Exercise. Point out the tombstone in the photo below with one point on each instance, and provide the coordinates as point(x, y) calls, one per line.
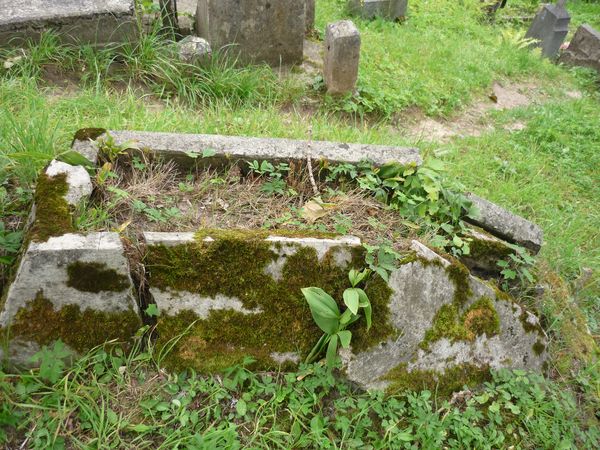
point(549, 28)
point(387, 9)
point(584, 49)
point(75, 21)
point(254, 30)
point(342, 53)
point(309, 12)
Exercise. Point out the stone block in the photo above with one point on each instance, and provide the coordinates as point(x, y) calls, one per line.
point(194, 50)
point(485, 252)
point(342, 55)
point(254, 30)
point(224, 295)
point(73, 287)
point(584, 49)
point(506, 225)
point(75, 21)
point(387, 9)
point(549, 28)
point(78, 180)
point(186, 149)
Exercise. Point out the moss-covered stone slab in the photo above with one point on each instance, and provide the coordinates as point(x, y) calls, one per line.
point(451, 327)
point(73, 287)
point(485, 252)
point(225, 295)
point(186, 150)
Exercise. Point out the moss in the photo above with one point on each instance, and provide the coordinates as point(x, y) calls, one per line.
point(52, 212)
point(216, 233)
point(85, 134)
point(480, 318)
point(459, 275)
point(81, 330)
point(539, 348)
point(488, 250)
point(444, 384)
point(233, 266)
point(528, 326)
point(95, 277)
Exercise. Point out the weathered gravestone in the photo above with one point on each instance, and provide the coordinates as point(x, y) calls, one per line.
point(342, 55)
point(387, 9)
point(254, 30)
point(81, 21)
point(584, 49)
point(549, 28)
point(309, 12)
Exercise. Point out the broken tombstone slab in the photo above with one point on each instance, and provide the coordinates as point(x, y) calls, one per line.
point(75, 21)
point(189, 150)
point(506, 225)
point(78, 180)
point(342, 55)
point(485, 250)
point(254, 31)
point(584, 49)
point(224, 295)
point(387, 9)
point(549, 28)
point(74, 287)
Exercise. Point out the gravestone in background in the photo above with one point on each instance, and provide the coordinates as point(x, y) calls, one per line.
point(387, 9)
point(254, 30)
point(342, 54)
point(584, 49)
point(549, 28)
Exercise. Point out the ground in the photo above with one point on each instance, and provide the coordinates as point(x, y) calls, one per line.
point(510, 126)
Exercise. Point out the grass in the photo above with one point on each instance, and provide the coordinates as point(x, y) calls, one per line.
point(437, 63)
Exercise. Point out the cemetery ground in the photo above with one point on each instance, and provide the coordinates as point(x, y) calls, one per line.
point(508, 125)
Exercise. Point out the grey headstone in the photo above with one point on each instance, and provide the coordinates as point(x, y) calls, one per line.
point(309, 12)
point(254, 30)
point(549, 28)
point(342, 55)
point(186, 150)
point(83, 21)
point(506, 225)
point(387, 9)
point(584, 49)
point(194, 50)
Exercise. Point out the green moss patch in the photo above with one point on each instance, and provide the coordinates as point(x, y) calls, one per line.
point(95, 277)
point(38, 321)
point(234, 266)
point(480, 318)
point(52, 212)
point(444, 384)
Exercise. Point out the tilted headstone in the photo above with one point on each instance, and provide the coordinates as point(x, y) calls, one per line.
point(549, 28)
point(584, 49)
point(387, 9)
point(342, 54)
point(254, 30)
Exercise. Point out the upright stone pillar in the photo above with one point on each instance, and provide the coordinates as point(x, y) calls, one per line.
point(549, 28)
point(342, 54)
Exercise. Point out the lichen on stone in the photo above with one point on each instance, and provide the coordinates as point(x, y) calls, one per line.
point(95, 277)
point(40, 322)
point(233, 265)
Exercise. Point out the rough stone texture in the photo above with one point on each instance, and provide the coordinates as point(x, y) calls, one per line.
point(387, 9)
point(194, 50)
point(420, 290)
point(178, 148)
point(43, 269)
point(255, 30)
point(506, 225)
point(486, 251)
point(85, 21)
point(309, 13)
point(342, 55)
point(549, 28)
point(584, 49)
point(78, 179)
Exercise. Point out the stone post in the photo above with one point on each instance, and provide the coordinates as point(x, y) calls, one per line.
point(549, 28)
point(342, 53)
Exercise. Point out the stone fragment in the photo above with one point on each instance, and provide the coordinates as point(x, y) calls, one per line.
point(233, 294)
point(309, 12)
point(342, 54)
point(549, 28)
point(194, 50)
point(506, 225)
point(584, 49)
point(186, 150)
point(75, 21)
point(387, 9)
point(485, 252)
point(78, 179)
point(74, 287)
point(254, 30)
point(448, 323)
